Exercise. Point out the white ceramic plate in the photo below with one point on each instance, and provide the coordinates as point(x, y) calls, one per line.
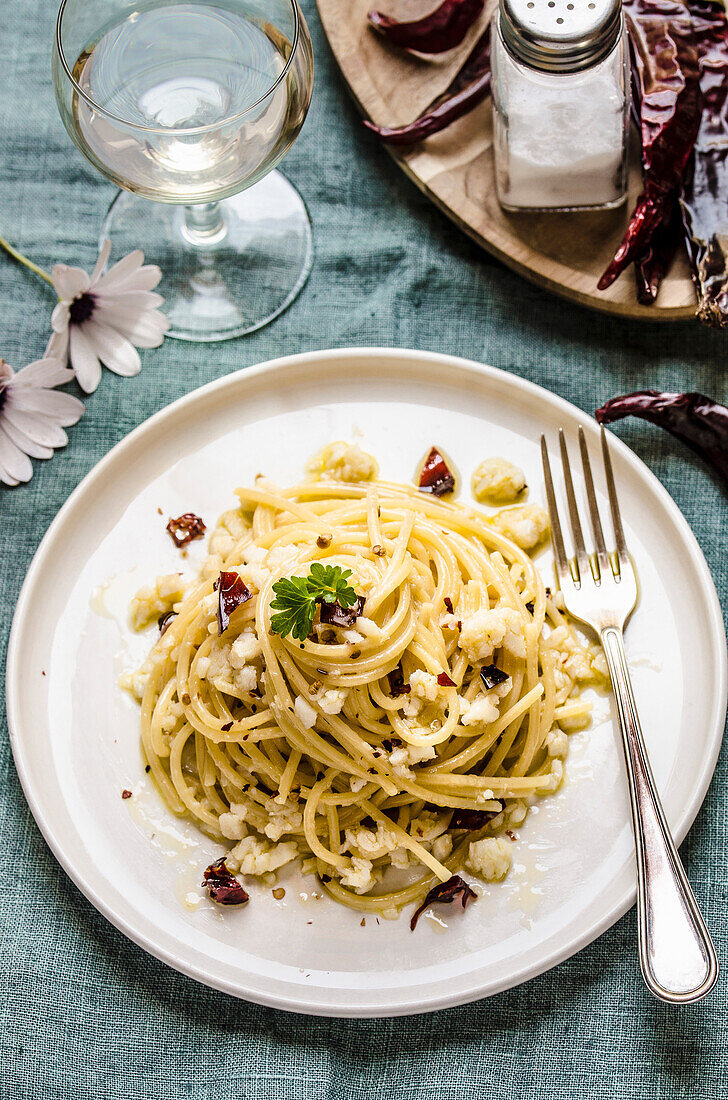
point(75, 734)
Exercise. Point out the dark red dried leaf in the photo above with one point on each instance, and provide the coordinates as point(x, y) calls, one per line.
point(186, 528)
point(436, 477)
point(474, 819)
point(222, 886)
point(444, 681)
point(455, 887)
point(441, 30)
point(397, 685)
point(491, 676)
point(469, 87)
point(231, 594)
point(333, 614)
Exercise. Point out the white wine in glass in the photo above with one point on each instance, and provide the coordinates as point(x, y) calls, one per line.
point(191, 105)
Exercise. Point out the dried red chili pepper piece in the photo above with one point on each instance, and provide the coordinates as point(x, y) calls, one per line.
point(474, 819)
point(665, 69)
point(436, 477)
point(444, 681)
point(492, 676)
point(469, 87)
point(705, 188)
point(441, 30)
point(651, 267)
point(186, 528)
point(333, 614)
point(397, 685)
point(448, 604)
point(222, 886)
point(455, 887)
point(164, 620)
point(231, 594)
point(699, 422)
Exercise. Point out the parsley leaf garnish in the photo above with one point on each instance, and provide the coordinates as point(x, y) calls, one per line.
point(296, 598)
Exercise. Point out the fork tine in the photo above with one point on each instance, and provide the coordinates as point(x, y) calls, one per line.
point(602, 555)
point(614, 503)
point(584, 568)
point(562, 564)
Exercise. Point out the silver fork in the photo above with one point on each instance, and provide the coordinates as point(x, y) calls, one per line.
point(677, 956)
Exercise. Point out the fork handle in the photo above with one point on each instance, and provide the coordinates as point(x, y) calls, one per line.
point(676, 952)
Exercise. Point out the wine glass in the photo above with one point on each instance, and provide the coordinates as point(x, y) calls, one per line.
point(190, 104)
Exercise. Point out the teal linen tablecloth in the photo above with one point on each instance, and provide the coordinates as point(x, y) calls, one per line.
point(85, 1014)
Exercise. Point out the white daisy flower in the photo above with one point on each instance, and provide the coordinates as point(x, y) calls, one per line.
point(33, 415)
point(105, 317)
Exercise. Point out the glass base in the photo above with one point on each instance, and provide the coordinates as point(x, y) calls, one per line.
point(227, 268)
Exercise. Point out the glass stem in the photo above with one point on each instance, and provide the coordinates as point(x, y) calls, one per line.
point(204, 224)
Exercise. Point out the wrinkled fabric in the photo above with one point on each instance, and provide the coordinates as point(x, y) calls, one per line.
point(85, 1014)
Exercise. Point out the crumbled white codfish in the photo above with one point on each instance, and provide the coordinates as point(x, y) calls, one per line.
point(498, 481)
point(156, 599)
point(489, 629)
point(343, 462)
point(491, 857)
point(527, 524)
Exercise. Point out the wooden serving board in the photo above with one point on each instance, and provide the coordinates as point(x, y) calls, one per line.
point(565, 253)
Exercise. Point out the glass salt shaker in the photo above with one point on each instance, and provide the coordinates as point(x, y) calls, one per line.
point(561, 94)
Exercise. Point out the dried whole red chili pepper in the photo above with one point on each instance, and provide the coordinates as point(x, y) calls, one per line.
point(455, 887)
point(666, 68)
point(652, 266)
point(441, 30)
point(705, 187)
point(469, 87)
point(695, 419)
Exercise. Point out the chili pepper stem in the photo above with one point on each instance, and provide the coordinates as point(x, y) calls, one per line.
point(21, 259)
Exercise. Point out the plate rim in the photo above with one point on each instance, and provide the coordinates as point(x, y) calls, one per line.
point(333, 1006)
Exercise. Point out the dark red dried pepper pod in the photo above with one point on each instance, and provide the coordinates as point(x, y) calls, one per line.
point(222, 886)
point(474, 819)
point(436, 476)
point(455, 887)
point(440, 30)
point(469, 87)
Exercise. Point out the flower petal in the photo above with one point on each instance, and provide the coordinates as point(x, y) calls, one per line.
point(69, 281)
point(120, 271)
point(14, 465)
point(145, 328)
point(84, 359)
point(59, 317)
point(133, 300)
point(63, 408)
point(44, 373)
point(57, 346)
point(36, 427)
point(114, 350)
point(26, 444)
point(145, 278)
point(101, 263)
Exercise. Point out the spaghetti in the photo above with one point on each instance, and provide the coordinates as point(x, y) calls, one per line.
point(374, 746)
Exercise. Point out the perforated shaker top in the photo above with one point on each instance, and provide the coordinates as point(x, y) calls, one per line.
point(560, 35)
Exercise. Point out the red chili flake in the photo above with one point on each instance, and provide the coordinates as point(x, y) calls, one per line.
point(397, 685)
point(448, 604)
point(491, 676)
point(333, 614)
point(186, 528)
point(436, 477)
point(474, 819)
point(511, 835)
point(326, 878)
point(164, 621)
point(530, 607)
point(227, 727)
point(455, 887)
point(222, 886)
point(231, 594)
point(126, 794)
point(444, 681)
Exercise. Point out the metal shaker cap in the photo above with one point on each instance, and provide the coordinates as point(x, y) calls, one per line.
point(560, 35)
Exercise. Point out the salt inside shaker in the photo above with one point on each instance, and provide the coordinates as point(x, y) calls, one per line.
point(560, 104)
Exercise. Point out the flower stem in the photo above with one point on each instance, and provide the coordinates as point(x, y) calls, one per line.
point(24, 260)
